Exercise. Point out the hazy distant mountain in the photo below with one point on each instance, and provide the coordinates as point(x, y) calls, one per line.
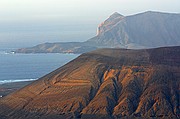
point(149, 29)
point(106, 83)
point(144, 30)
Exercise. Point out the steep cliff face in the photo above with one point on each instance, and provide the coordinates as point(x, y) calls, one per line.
point(149, 29)
point(109, 23)
point(106, 83)
point(144, 30)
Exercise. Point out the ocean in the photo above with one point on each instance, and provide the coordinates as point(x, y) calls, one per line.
point(28, 67)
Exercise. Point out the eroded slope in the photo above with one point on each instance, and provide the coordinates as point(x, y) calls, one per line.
point(106, 83)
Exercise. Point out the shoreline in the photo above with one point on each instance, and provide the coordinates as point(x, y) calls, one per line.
point(8, 88)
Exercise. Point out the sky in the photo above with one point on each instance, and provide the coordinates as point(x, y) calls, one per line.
point(24, 23)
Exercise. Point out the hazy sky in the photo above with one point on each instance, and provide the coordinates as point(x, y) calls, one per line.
point(29, 22)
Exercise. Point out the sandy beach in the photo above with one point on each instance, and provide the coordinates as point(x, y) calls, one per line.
point(8, 88)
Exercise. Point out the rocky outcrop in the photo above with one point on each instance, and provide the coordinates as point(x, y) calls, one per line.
point(144, 30)
point(109, 23)
point(106, 83)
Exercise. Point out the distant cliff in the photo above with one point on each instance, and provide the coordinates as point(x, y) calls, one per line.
point(144, 30)
point(106, 83)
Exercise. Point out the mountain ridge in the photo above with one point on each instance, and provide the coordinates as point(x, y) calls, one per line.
point(143, 30)
point(105, 83)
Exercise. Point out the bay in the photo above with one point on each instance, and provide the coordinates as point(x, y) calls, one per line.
point(27, 67)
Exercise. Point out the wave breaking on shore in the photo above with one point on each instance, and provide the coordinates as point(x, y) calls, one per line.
point(16, 80)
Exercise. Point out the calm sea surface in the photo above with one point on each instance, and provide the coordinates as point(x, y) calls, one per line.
point(26, 67)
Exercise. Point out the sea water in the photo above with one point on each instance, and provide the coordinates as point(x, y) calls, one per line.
point(28, 67)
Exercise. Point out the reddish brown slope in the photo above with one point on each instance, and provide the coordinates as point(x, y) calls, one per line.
point(106, 83)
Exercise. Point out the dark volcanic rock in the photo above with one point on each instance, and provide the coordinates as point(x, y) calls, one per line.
point(106, 83)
